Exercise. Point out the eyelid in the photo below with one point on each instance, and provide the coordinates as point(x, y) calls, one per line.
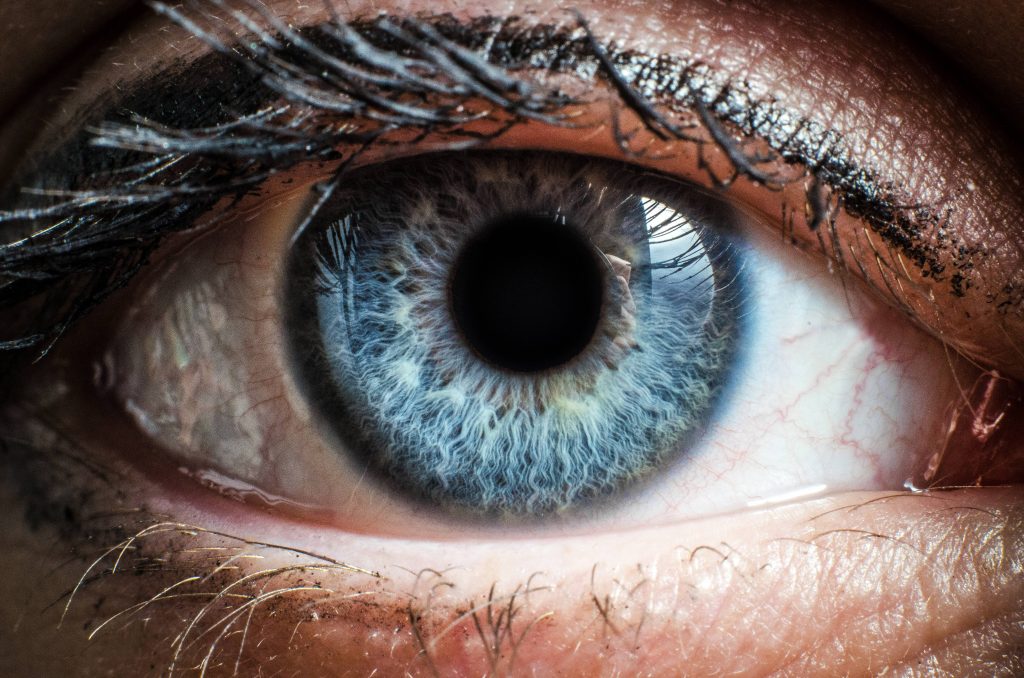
point(942, 279)
point(894, 537)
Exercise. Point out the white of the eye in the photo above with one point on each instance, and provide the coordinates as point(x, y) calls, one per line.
point(832, 391)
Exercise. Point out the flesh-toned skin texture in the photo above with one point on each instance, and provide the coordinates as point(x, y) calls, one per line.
point(124, 568)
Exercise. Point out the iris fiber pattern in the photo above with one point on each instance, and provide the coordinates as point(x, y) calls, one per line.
point(408, 396)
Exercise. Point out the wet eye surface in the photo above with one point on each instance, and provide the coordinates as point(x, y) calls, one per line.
point(499, 335)
point(477, 344)
point(514, 335)
point(702, 367)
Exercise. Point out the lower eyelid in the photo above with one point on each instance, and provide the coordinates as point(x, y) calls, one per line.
point(702, 596)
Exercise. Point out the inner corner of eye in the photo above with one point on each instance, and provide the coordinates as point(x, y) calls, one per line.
point(509, 336)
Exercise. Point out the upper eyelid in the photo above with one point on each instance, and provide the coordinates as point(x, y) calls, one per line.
point(798, 138)
point(770, 119)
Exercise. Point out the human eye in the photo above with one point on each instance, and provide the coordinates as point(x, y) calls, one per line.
point(273, 265)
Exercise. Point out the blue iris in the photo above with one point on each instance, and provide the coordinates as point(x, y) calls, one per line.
point(443, 420)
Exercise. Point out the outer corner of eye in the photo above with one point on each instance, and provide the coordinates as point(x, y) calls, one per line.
point(494, 340)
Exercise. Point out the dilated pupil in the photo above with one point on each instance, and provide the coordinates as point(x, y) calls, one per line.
point(527, 293)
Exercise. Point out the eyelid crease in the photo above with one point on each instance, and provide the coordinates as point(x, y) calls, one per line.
point(190, 161)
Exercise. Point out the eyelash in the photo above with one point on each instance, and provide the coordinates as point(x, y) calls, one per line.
point(165, 178)
point(87, 243)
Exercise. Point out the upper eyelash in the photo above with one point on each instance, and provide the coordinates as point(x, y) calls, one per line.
point(193, 168)
point(93, 240)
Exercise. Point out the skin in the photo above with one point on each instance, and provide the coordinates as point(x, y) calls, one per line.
point(851, 584)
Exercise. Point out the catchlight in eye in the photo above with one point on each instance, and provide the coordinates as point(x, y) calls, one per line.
point(513, 334)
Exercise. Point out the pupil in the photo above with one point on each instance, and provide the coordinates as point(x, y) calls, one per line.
point(527, 293)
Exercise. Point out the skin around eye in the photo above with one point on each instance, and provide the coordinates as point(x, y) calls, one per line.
point(841, 585)
point(822, 376)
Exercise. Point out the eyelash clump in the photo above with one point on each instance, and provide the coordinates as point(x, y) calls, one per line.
point(162, 157)
point(104, 203)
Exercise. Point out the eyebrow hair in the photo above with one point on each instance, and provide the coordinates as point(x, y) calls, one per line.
point(176, 144)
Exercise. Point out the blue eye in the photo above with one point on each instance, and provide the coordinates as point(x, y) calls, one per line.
point(514, 334)
point(497, 335)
